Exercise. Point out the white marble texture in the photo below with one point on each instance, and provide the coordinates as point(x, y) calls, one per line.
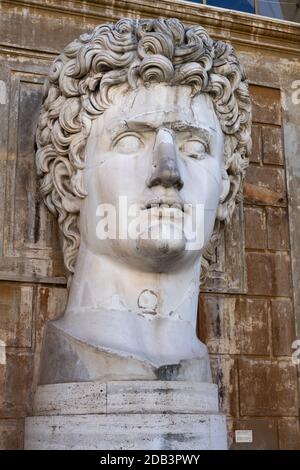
point(158, 119)
point(127, 432)
point(137, 296)
point(126, 415)
point(142, 159)
point(125, 397)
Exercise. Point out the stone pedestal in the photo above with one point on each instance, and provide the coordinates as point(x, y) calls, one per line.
point(144, 415)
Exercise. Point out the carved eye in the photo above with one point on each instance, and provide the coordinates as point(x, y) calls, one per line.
point(195, 148)
point(128, 143)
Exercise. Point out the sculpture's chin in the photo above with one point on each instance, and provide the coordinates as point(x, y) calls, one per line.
point(161, 241)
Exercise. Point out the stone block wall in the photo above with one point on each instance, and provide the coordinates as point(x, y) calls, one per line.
point(22, 324)
point(250, 336)
point(248, 319)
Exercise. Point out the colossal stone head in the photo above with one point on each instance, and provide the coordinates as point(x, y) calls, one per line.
point(154, 111)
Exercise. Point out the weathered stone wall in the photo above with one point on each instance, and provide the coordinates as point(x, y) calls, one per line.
point(250, 308)
point(250, 336)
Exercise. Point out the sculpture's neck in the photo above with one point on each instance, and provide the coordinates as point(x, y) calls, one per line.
point(151, 316)
point(105, 283)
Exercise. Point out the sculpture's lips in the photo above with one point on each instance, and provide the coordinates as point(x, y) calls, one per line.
point(164, 204)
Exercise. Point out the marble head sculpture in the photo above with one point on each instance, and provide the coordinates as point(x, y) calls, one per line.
point(159, 114)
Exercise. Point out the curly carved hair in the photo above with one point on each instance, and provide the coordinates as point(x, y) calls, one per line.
point(134, 52)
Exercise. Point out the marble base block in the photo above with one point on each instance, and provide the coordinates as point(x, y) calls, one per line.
point(144, 415)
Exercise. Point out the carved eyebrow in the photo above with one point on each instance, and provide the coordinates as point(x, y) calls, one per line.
point(204, 133)
point(117, 128)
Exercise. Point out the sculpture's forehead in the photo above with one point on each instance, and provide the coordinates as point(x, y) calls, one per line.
point(159, 105)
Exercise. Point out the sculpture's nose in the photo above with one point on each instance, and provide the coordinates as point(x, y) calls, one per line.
point(165, 170)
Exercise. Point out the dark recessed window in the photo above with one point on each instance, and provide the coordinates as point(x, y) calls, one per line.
point(282, 9)
point(240, 5)
point(285, 9)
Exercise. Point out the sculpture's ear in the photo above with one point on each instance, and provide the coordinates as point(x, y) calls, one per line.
point(62, 179)
point(225, 186)
point(230, 188)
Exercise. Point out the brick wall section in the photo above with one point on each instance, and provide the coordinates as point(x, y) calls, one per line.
point(23, 312)
point(249, 336)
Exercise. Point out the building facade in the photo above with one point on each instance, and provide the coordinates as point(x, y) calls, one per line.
point(250, 305)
